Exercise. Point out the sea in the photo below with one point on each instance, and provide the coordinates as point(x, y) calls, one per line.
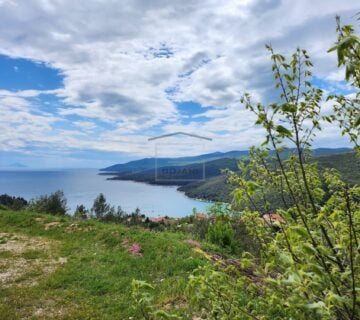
point(82, 186)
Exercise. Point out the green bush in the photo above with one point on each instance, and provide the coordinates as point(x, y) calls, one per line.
point(13, 203)
point(200, 228)
point(222, 234)
point(55, 204)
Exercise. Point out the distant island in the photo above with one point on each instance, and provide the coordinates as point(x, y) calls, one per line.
point(14, 165)
point(201, 176)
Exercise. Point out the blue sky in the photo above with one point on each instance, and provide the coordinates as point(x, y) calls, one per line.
point(81, 94)
point(23, 74)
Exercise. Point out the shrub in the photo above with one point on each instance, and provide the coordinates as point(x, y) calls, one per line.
point(13, 203)
point(308, 261)
point(54, 204)
point(222, 234)
point(200, 228)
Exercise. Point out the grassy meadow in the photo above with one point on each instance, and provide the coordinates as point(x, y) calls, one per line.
point(61, 268)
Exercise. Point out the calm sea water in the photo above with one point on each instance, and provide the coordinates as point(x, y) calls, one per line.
point(82, 187)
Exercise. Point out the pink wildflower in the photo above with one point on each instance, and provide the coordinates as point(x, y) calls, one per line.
point(135, 249)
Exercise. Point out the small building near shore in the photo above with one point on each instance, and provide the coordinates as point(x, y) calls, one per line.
point(201, 216)
point(273, 217)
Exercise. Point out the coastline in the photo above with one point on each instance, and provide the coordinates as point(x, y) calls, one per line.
point(154, 183)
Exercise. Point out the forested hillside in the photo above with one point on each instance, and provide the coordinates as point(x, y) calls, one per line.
point(137, 166)
point(149, 163)
point(214, 186)
point(180, 175)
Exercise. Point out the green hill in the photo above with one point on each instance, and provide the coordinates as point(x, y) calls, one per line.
point(347, 164)
point(216, 188)
point(180, 175)
point(145, 164)
point(149, 163)
point(213, 189)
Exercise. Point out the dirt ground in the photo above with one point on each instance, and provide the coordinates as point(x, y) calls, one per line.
point(25, 260)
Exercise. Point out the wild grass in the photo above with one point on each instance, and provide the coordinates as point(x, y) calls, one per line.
point(85, 271)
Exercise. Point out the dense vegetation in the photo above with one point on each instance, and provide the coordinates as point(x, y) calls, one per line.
point(217, 189)
point(213, 189)
point(347, 164)
point(15, 203)
point(137, 166)
point(211, 184)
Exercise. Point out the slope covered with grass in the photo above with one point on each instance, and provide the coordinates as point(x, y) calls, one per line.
point(52, 267)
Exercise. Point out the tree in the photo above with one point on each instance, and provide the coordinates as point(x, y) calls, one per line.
point(100, 206)
point(347, 108)
point(136, 217)
point(81, 212)
point(308, 263)
point(348, 52)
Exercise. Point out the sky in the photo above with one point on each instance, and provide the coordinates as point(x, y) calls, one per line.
point(85, 84)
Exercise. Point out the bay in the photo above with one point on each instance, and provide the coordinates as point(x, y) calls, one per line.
point(82, 187)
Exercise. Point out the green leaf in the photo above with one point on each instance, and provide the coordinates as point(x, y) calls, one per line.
point(308, 248)
point(283, 131)
point(357, 121)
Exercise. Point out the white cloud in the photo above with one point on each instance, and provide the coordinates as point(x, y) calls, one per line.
point(85, 125)
point(127, 63)
point(18, 124)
